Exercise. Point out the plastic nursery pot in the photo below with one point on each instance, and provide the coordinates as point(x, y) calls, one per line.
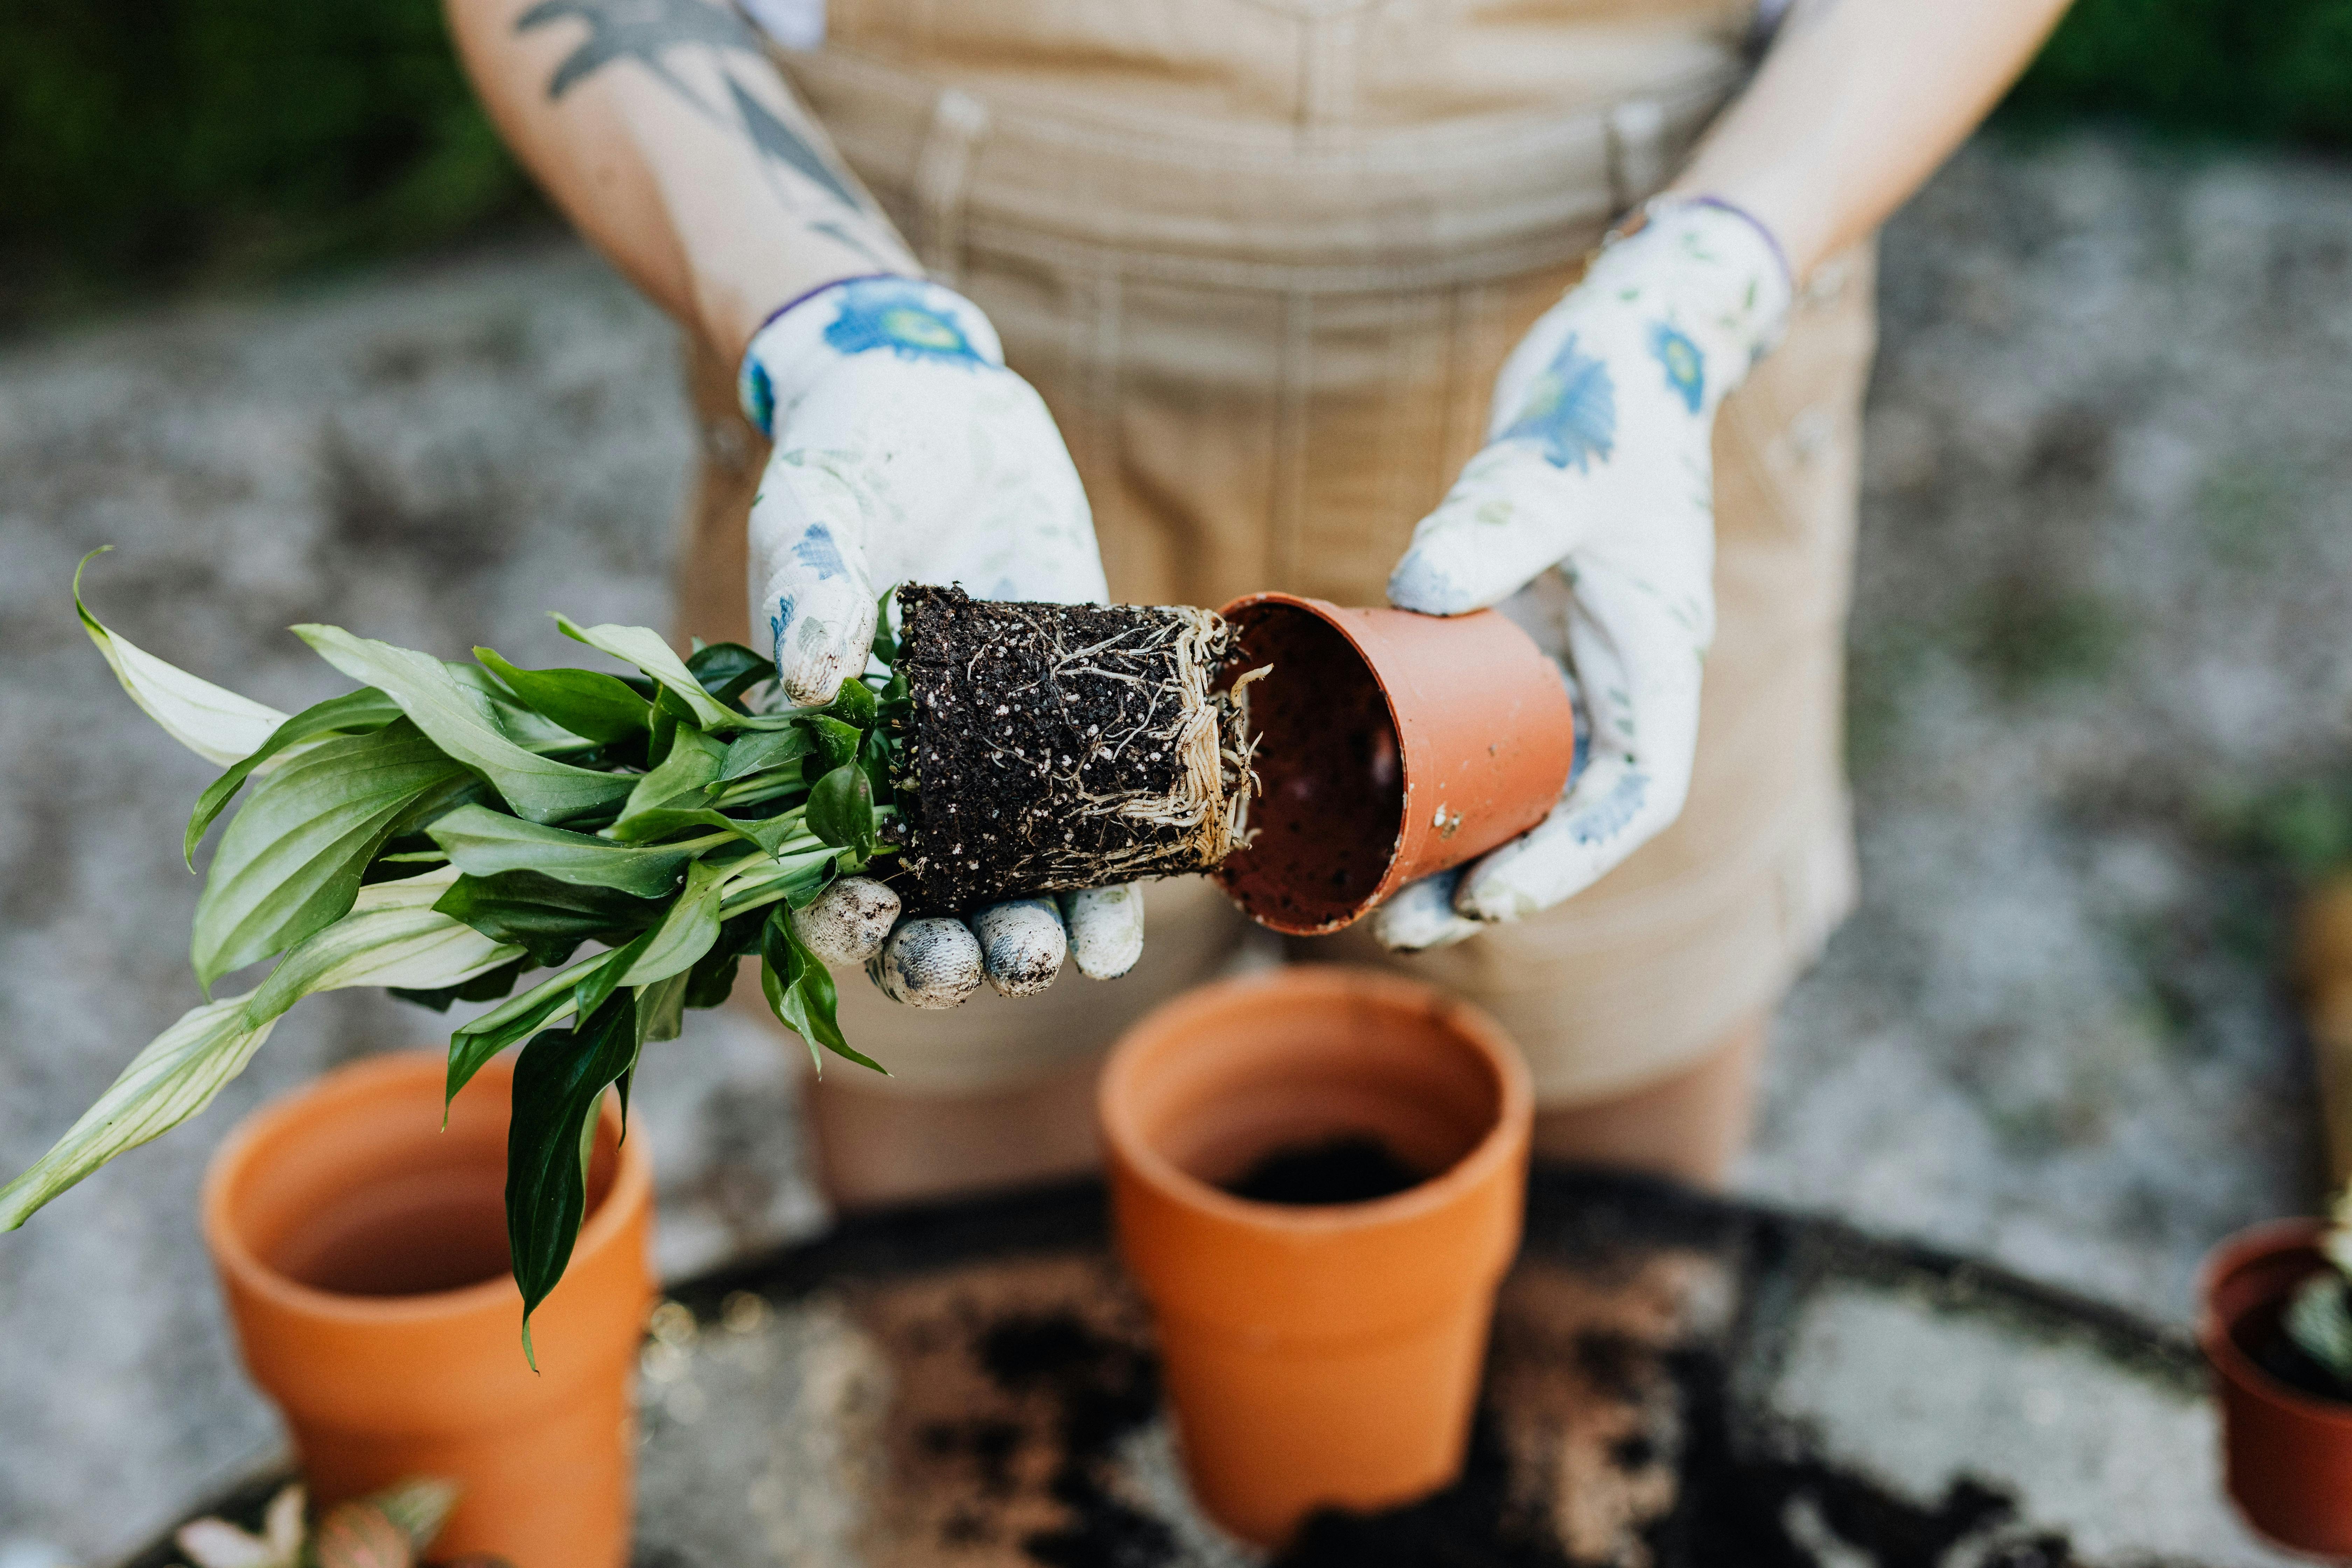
point(1390, 745)
point(363, 1254)
point(1324, 1355)
point(2287, 1454)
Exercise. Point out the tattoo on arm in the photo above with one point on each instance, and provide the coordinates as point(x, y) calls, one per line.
point(776, 140)
point(643, 31)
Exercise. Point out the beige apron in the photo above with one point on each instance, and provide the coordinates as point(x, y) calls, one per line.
point(1263, 259)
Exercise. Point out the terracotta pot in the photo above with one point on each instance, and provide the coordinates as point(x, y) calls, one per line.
point(1392, 745)
point(1331, 1354)
point(363, 1251)
point(2288, 1455)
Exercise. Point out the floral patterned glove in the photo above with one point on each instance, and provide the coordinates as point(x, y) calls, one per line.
point(1598, 470)
point(905, 451)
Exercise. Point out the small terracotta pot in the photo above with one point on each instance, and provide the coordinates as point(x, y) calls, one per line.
point(2288, 1455)
point(1331, 1354)
point(363, 1251)
point(1392, 745)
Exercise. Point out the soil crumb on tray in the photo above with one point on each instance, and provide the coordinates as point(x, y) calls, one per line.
point(1353, 1168)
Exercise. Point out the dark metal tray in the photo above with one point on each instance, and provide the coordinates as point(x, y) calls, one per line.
point(1676, 1381)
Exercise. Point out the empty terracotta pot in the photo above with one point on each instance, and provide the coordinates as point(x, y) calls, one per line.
point(1323, 1355)
point(1391, 745)
point(2287, 1454)
point(363, 1254)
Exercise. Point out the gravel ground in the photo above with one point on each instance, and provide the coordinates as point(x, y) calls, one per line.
point(2099, 710)
point(2100, 700)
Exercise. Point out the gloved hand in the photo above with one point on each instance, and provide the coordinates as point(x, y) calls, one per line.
point(906, 451)
point(1597, 466)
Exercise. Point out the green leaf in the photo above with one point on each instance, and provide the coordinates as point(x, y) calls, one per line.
point(712, 979)
point(527, 727)
point(599, 982)
point(644, 646)
point(291, 862)
point(762, 751)
point(728, 670)
point(354, 713)
point(547, 919)
point(585, 701)
point(471, 1044)
point(485, 843)
point(770, 833)
point(538, 788)
point(854, 704)
point(800, 991)
point(392, 937)
point(684, 777)
point(837, 743)
point(841, 809)
point(217, 725)
point(489, 987)
point(558, 1080)
point(874, 756)
point(797, 875)
point(689, 931)
point(885, 641)
point(661, 1013)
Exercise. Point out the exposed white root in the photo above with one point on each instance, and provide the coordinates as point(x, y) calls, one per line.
point(1021, 945)
point(849, 922)
point(1106, 927)
point(932, 963)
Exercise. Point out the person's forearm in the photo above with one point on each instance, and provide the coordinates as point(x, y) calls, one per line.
point(1857, 103)
point(672, 142)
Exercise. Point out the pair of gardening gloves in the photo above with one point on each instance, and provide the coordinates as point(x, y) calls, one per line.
point(904, 450)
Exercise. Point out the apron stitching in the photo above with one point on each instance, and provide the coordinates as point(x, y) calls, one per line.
point(1292, 372)
point(942, 178)
point(1103, 370)
point(1459, 302)
point(1637, 133)
point(1404, 420)
point(1540, 254)
point(1188, 143)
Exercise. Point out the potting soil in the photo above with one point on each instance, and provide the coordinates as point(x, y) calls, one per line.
point(1056, 747)
point(1352, 1168)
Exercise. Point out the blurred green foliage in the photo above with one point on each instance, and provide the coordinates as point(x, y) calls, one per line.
point(2240, 69)
point(164, 141)
point(158, 143)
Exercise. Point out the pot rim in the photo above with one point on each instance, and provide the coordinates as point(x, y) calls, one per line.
point(632, 1186)
point(1393, 874)
point(2233, 1252)
point(1501, 1143)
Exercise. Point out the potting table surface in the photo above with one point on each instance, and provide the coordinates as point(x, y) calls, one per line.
point(1675, 1381)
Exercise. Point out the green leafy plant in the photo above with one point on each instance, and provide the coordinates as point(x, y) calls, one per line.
point(390, 1529)
point(447, 830)
point(2319, 1313)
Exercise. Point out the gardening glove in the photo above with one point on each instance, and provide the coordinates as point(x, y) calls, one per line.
point(1590, 517)
point(905, 451)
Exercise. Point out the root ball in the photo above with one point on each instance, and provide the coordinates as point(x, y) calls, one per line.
point(1058, 747)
